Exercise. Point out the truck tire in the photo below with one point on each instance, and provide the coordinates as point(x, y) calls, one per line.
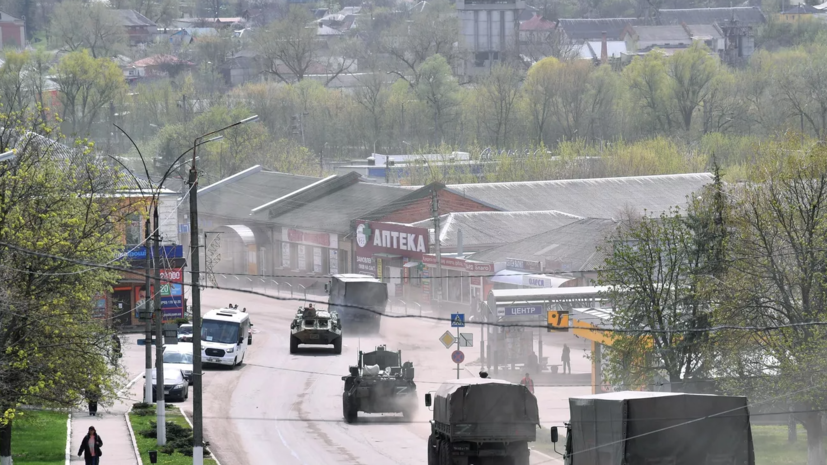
point(294, 344)
point(337, 346)
point(348, 409)
point(519, 453)
point(433, 452)
point(445, 453)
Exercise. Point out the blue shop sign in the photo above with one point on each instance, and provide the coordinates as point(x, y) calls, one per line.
point(139, 253)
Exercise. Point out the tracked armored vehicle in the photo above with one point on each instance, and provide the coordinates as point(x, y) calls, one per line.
point(379, 383)
point(316, 327)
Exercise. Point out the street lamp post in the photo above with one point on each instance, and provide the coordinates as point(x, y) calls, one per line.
point(197, 401)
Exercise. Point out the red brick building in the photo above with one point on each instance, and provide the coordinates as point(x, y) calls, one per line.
point(12, 31)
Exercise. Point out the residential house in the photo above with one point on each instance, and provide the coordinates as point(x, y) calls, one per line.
point(801, 12)
point(641, 39)
point(241, 68)
point(238, 22)
point(12, 31)
point(139, 29)
point(156, 66)
point(536, 30)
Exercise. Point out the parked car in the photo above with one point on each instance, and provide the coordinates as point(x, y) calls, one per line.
point(179, 357)
point(185, 333)
point(176, 386)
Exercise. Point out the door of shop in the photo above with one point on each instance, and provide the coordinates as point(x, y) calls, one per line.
point(121, 308)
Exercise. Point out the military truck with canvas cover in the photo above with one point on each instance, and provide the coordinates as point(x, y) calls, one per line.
point(316, 327)
point(481, 421)
point(379, 383)
point(655, 427)
point(360, 300)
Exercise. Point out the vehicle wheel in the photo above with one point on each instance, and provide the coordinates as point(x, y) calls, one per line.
point(294, 344)
point(249, 340)
point(444, 453)
point(348, 411)
point(433, 452)
point(235, 362)
point(337, 346)
point(186, 394)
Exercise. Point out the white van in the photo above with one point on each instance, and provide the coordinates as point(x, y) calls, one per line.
point(224, 336)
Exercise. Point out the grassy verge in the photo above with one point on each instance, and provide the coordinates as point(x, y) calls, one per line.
point(142, 423)
point(771, 447)
point(39, 438)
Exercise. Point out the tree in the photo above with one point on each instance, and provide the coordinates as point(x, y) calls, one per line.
point(777, 279)
point(539, 89)
point(430, 31)
point(500, 90)
point(439, 90)
point(86, 85)
point(691, 72)
point(662, 277)
point(162, 12)
point(77, 25)
point(57, 202)
point(290, 47)
point(649, 88)
point(373, 95)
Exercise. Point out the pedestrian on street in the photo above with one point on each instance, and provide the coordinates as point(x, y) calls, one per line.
point(528, 383)
point(92, 397)
point(90, 447)
point(566, 358)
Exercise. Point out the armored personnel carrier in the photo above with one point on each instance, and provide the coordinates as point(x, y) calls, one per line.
point(379, 383)
point(316, 327)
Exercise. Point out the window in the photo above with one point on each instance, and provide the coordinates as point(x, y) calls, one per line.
point(133, 230)
point(224, 332)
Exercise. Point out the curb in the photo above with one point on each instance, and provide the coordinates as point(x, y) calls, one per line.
point(69, 439)
point(214, 458)
point(132, 437)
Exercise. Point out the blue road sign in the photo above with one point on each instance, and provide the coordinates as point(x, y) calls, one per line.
point(457, 356)
point(457, 320)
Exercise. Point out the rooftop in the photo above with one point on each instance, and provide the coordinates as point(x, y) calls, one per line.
point(592, 29)
point(235, 196)
point(131, 18)
point(490, 229)
point(659, 33)
point(569, 248)
point(591, 198)
point(746, 15)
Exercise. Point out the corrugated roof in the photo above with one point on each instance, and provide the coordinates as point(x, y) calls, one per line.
point(661, 33)
point(802, 9)
point(131, 18)
point(592, 29)
point(491, 229)
point(236, 196)
point(594, 198)
point(569, 248)
point(334, 211)
point(746, 15)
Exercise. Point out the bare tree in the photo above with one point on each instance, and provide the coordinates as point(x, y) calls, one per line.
point(94, 26)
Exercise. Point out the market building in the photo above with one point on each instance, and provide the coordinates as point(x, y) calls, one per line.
point(393, 253)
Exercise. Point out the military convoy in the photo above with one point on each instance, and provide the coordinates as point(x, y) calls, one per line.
point(481, 421)
point(360, 301)
point(379, 383)
point(316, 327)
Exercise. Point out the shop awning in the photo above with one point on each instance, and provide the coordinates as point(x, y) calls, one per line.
point(411, 264)
point(521, 278)
point(509, 277)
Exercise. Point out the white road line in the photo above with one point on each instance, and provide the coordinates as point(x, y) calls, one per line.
point(535, 451)
point(292, 452)
point(129, 385)
point(69, 439)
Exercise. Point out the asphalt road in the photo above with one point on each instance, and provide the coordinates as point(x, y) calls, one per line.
point(287, 409)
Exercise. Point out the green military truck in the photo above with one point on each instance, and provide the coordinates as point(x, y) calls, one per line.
point(481, 421)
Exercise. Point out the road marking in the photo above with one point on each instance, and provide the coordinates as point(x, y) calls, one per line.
point(129, 385)
point(292, 452)
point(554, 459)
point(69, 439)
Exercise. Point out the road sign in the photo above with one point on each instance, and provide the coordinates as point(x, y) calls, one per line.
point(523, 310)
point(447, 339)
point(466, 339)
point(457, 356)
point(457, 320)
point(558, 321)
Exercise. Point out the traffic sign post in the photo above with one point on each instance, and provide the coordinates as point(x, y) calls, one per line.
point(457, 320)
point(466, 339)
point(457, 356)
point(447, 339)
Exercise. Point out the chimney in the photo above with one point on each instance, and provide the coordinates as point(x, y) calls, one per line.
point(459, 243)
point(604, 49)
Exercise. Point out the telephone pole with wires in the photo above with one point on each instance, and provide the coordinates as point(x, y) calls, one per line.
point(146, 316)
point(435, 214)
point(160, 404)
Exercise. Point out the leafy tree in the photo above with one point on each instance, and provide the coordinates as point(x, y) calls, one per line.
point(59, 202)
point(692, 72)
point(540, 89)
point(87, 85)
point(439, 90)
point(77, 25)
point(500, 91)
point(648, 83)
point(162, 12)
point(778, 279)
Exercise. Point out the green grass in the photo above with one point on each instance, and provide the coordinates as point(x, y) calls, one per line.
point(771, 446)
point(141, 423)
point(39, 438)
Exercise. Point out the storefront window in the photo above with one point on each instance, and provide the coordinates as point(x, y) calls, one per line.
point(133, 230)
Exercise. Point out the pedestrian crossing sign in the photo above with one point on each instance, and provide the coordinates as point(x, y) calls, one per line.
point(558, 321)
point(457, 320)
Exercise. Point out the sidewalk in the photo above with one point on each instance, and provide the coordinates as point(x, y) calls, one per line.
point(110, 422)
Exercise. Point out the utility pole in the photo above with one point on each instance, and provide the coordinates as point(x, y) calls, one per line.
point(197, 419)
point(435, 213)
point(147, 314)
point(159, 337)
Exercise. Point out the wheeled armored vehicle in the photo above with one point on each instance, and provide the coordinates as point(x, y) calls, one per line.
point(360, 300)
point(379, 383)
point(316, 327)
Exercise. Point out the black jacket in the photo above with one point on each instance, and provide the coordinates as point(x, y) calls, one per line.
point(84, 445)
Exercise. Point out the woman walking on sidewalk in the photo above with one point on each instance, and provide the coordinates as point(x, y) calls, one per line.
point(90, 447)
